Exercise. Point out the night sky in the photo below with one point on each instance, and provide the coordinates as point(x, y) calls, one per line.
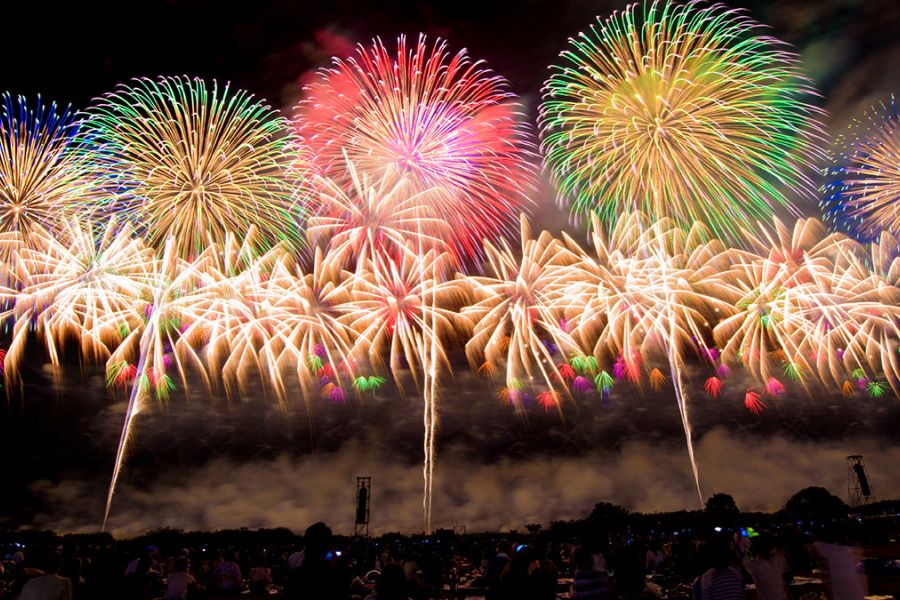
point(208, 462)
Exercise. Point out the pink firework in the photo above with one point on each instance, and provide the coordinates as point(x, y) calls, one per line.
point(582, 384)
point(336, 395)
point(710, 354)
point(447, 125)
point(774, 387)
point(754, 402)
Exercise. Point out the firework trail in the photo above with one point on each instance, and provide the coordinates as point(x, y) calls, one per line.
point(405, 310)
point(864, 180)
point(683, 111)
point(178, 312)
point(190, 162)
point(437, 154)
point(647, 296)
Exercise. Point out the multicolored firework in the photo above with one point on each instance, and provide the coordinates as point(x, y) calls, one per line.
point(161, 237)
point(445, 123)
point(862, 194)
point(801, 299)
point(44, 174)
point(683, 111)
point(184, 160)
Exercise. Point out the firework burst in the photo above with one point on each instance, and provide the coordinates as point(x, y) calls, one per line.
point(80, 288)
point(647, 297)
point(192, 162)
point(44, 173)
point(515, 309)
point(373, 222)
point(862, 194)
point(683, 111)
point(444, 122)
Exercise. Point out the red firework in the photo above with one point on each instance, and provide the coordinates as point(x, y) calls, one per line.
point(754, 402)
point(445, 123)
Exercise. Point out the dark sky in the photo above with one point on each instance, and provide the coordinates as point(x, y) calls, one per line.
point(219, 463)
point(74, 51)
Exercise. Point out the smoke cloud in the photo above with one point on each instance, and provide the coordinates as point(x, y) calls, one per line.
point(506, 494)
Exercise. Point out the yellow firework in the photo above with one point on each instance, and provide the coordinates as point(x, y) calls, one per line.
point(680, 110)
point(44, 173)
point(190, 162)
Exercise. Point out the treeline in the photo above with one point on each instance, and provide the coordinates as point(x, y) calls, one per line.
point(807, 510)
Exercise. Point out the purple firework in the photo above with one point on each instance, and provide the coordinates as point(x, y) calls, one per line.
point(582, 384)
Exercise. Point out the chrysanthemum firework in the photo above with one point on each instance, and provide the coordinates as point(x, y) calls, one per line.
point(648, 298)
point(80, 288)
point(514, 312)
point(43, 172)
point(863, 191)
point(441, 120)
point(679, 110)
point(192, 161)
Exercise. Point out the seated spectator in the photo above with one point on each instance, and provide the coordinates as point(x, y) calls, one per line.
point(655, 557)
point(260, 575)
point(724, 580)
point(180, 581)
point(767, 567)
point(227, 577)
point(50, 586)
point(391, 584)
point(588, 583)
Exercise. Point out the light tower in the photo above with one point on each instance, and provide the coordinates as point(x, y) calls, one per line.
point(859, 491)
point(363, 500)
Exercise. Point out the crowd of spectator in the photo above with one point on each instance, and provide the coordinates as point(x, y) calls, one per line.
point(717, 565)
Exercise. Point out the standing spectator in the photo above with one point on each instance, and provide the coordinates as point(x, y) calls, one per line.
point(318, 577)
point(494, 569)
point(841, 561)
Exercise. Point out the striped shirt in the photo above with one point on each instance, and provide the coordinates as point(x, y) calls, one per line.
point(722, 584)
